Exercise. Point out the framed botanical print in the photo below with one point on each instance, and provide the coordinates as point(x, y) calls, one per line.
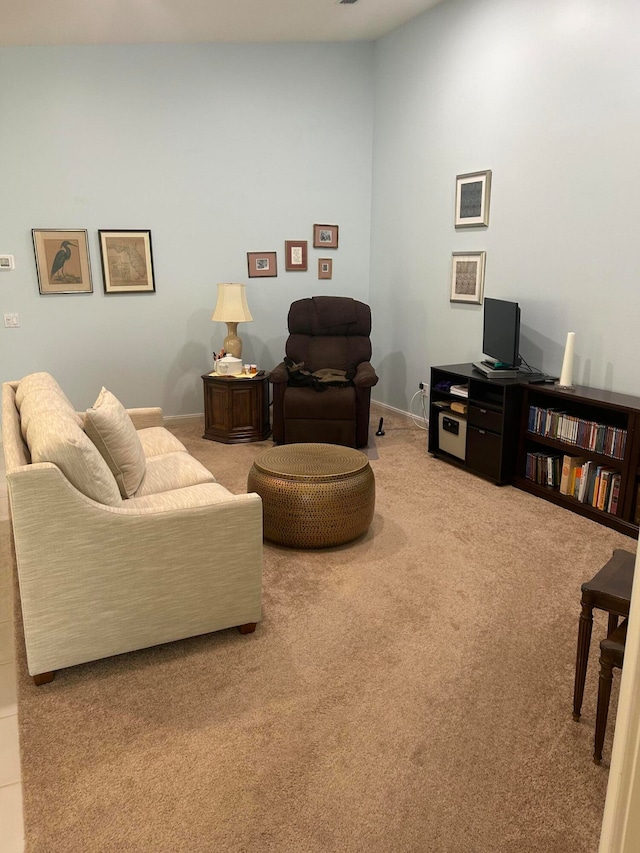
point(127, 262)
point(467, 277)
point(62, 260)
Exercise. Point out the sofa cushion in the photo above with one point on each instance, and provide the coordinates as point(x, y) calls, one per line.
point(112, 431)
point(172, 471)
point(57, 438)
point(40, 392)
point(157, 440)
point(204, 494)
point(39, 404)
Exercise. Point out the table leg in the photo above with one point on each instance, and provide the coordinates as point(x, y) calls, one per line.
point(604, 696)
point(585, 626)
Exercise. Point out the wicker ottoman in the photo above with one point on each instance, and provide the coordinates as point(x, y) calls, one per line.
point(313, 495)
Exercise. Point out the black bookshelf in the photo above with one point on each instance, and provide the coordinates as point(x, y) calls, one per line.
point(615, 414)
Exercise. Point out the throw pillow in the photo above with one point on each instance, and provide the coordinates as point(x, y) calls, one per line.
point(112, 431)
point(57, 438)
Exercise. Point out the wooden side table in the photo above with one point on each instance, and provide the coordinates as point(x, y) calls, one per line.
point(236, 410)
point(608, 590)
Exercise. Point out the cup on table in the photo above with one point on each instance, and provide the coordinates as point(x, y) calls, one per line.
point(254, 369)
point(247, 368)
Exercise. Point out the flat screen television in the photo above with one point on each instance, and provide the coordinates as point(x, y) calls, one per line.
point(501, 332)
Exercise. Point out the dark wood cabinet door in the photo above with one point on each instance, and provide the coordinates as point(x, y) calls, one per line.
point(236, 410)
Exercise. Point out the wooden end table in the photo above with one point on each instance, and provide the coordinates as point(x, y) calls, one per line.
point(608, 590)
point(236, 410)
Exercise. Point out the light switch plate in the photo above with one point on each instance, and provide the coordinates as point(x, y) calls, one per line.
point(7, 262)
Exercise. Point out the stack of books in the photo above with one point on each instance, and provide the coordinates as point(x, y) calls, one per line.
point(460, 390)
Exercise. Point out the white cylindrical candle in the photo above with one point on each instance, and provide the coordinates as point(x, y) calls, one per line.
point(566, 375)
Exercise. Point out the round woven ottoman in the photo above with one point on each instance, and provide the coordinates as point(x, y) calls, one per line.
point(313, 495)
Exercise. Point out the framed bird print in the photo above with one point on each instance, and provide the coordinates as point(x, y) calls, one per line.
point(127, 263)
point(62, 260)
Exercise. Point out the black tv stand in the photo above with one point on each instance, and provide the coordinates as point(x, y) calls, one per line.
point(492, 419)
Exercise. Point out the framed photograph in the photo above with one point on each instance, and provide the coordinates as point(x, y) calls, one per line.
point(295, 255)
point(325, 267)
point(127, 263)
point(325, 236)
point(262, 264)
point(62, 260)
point(472, 199)
point(467, 277)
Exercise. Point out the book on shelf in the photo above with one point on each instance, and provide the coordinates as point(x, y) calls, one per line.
point(584, 478)
point(569, 465)
point(612, 505)
point(577, 478)
point(460, 390)
point(604, 488)
point(461, 408)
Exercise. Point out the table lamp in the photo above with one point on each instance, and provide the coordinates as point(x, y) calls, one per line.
point(231, 308)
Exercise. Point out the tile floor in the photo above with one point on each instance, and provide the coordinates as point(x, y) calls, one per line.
point(11, 826)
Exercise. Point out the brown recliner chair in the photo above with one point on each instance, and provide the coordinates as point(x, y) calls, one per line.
point(325, 332)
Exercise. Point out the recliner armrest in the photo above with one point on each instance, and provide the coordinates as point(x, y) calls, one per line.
point(279, 374)
point(366, 376)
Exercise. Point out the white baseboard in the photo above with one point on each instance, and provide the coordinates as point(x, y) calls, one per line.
point(184, 420)
point(399, 411)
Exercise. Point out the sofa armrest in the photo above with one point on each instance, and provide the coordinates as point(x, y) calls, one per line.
point(279, 374)
point(365, 376)
point(149, 417)
point(97, 581)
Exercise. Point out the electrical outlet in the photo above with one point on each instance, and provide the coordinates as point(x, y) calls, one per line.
point(424, 387)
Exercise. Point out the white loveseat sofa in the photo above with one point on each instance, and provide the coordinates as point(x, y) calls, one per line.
point(121, 542)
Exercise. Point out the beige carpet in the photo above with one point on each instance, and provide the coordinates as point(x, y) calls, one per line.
point(408, 692)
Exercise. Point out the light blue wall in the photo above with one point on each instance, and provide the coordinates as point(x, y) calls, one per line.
point(546, 94)
point(219, 150)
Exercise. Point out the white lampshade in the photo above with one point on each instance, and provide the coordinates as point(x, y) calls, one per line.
point(231, 308)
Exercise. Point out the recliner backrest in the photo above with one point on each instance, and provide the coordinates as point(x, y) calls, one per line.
point(329, 331)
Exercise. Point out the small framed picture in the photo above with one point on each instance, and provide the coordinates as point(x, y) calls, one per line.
point(127, 262)
point(325, 236)
point(62, 261)
point(325, 267)
point(473, 192)
point(467, 277)
point(262, 264)
point(295, 255)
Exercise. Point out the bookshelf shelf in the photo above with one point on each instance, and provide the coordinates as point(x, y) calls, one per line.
point(571, 449)
point(553, 495)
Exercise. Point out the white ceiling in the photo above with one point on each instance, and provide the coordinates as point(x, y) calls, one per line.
point(39, 22)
